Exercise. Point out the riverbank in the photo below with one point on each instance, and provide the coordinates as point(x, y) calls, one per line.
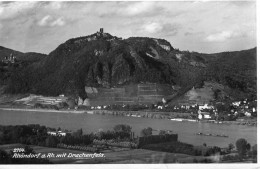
point(136, 114)
point(43, 110)
point(93, 123)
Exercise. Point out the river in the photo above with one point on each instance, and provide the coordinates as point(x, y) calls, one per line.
point(91, 123)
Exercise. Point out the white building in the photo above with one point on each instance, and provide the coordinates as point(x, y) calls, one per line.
point(53, 133)
point(200, 116)
point(207, 116)
point(163, 100)
point(206, 106)
point(203, 115)
point(160, 107)
point(247, 114)
point(236, 103)
point(60, 133)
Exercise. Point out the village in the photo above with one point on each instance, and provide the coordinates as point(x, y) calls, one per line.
point(237, 112)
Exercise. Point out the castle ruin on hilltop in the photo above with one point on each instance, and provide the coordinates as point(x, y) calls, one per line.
point(9, 59)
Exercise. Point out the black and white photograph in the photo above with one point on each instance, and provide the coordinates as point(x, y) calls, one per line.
point(128, 82)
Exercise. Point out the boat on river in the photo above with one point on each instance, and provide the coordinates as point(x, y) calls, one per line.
point(209, 134)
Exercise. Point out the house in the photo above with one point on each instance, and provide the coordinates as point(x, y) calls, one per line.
point(203, 115)
point(163, 100)
point(59, 133)
point(236, 103)
point(160, 107)
point(254, 110)
point(247, 114)
point(205, 106)
point(53, 133)
point(80, 101)
point(187, 107)
point(200, 116)
point(207, 116)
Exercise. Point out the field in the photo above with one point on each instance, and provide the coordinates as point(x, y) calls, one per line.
point(129, 94)
point(201, 95)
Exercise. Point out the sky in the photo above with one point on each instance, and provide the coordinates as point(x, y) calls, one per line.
point(201, 26)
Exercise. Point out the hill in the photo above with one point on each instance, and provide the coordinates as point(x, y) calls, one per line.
point(101, 60)
point(29, 56)
point(12, 61)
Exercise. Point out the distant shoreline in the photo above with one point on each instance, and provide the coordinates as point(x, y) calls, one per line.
point(123, 113)
point(45, 110)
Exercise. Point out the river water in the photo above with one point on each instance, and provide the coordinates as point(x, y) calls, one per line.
point(91, 123)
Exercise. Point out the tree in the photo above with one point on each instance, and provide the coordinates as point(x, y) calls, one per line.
point(242, 147)
point(146, 132)
point(51, 141)
point(254, 151)
point(28, 150)
point(78, 133)
point(5, 157)
point(231, 147)
point(122, 128)
point(162, 132)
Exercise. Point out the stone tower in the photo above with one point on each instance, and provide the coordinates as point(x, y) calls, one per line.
point(101, 30)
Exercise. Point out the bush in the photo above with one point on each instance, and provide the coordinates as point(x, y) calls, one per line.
point(146, 132)
point(156, 139)
point(172, 147)
point(242, 147)
point(122, 128)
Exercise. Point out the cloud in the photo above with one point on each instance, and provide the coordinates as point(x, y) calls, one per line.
point(152, 27)
point(140, 8)
point(44, 20)
point(193, 33)
point(13, 9)
point(56, 5)
point(41, 21)
point(129, 9)
point(1, 10)
point(158, 29)
point(170, 29)
point(58, 22)
point(223, 36)
point(51, 21)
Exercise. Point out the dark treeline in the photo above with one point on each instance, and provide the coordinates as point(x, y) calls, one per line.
point(37, 135)
point(179, 147)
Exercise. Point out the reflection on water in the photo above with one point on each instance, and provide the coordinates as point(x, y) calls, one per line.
point(91, 123)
